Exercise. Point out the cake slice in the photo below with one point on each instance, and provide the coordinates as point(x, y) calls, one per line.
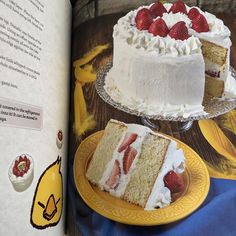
point(131, 162)
point(104, 151)
point(216, 68)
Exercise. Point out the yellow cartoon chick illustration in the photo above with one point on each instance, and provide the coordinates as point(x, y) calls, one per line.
point(47, 203)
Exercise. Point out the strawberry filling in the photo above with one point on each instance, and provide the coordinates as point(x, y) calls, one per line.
point(129, 139)
point(113, 180)
point(214, 74)
point(128, 158)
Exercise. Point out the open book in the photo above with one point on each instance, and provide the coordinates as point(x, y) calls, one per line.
point(34, 107)
point(49, 104)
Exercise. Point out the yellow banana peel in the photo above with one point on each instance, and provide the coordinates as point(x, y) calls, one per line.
point(84, 76)
point(217, 139)
point(83, 121)
point(228, 121)
point(214, 173)
point(84, 73)
point(87, 57)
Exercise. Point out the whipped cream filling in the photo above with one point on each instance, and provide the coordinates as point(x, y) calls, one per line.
point(174, 160)
point(141, 131)
point(215, 70)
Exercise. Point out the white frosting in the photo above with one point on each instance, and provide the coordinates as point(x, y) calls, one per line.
point(171, 19)
point(21, 183)
point(174, 160)
point(156, 85)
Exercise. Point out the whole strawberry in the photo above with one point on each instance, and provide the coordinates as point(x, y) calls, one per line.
point(159, 27)
point(179, 31)
point(174, 182)
point(143, 19)
point(157, 9)
point(178, 6)
point(193, 13)
point(200, 24)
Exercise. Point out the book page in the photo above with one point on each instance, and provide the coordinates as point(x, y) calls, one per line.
point(34, 88)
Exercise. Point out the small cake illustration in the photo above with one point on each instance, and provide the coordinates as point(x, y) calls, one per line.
point(21, 172)
point(59, 139)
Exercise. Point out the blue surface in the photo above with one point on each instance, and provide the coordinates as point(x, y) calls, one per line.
point(216, 216)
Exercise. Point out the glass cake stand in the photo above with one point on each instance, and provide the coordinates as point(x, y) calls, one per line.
point(213, 107)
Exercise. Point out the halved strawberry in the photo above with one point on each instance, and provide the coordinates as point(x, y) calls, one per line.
point(159, 27)
point(129, 138)
point(193, 13)
point(157, 9)
point(200, 24)
point(128, 158)
point(178, 6)
point(174, 182)
point(179, 31)
point(114, 178)
point(143, 19)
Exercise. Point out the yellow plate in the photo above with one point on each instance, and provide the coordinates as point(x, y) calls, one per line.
point(197, 186)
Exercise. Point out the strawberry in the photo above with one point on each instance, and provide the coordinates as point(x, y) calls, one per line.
point(179, 31)
point(128, 158)
point(129, 138)
point(143, 19)
point(193, 13)
point(157, 9)
point(200, 24)
point(159, 27)
point(178, 6)
point(114, 178)
point(174, 182)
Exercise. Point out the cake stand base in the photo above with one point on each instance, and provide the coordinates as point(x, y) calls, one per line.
point(173, 126)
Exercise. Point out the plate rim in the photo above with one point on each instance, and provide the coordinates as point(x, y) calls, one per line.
point(93, 200)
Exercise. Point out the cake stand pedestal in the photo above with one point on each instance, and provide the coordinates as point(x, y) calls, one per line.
point(176, 126)
point(212, 107)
